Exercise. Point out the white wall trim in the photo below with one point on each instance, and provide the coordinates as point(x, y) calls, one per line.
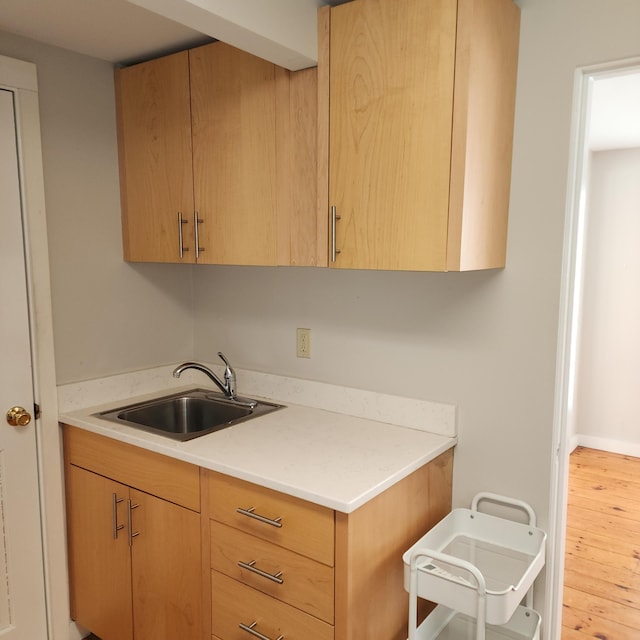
point(21, 78)
point(565, 357)
point(622, 447)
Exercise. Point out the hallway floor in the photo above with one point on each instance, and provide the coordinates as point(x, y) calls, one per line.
point(602, 561)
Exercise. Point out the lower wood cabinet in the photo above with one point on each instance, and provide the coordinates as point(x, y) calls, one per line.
point(284, 567)
point(135, 559)
point(162, 550)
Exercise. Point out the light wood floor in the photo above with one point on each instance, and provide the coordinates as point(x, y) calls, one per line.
point(602, 561)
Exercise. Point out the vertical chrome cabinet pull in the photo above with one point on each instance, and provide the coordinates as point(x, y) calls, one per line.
point(251, 628)
point(181, 221)
point(197, 221)
point(115, 501)
point(251, 566)
point(250, 513)
point(132, 533)
point(334, 217)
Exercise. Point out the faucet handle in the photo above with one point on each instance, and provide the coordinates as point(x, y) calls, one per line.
point(229, 375)
point(224, 359)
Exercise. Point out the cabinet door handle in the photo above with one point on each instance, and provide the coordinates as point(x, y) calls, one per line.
point(334, 218)
point(132, 533)
point(197, 221)
point(115, 501)
point(181, 221)
point(250, 513)
point(251, 566)
point(251, 628)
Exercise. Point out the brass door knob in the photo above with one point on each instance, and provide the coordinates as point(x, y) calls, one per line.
point(18, 417)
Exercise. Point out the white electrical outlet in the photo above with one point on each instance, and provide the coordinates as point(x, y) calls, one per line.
point(303, 343)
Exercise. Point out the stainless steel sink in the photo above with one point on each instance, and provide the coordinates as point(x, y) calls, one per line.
point(187, 415)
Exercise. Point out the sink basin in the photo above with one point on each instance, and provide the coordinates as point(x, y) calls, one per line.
point(187, 415)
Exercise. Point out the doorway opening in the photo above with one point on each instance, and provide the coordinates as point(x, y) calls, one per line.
point(593, 348)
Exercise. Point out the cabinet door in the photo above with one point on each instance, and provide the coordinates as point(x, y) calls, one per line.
point(166, 559)
point(154, 142)
point(99, 559)
point(391, 105)
point(233, 102)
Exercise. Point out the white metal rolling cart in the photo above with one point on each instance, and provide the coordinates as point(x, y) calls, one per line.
point(478, 568)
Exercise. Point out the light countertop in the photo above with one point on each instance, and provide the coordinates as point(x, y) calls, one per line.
point(336, 460)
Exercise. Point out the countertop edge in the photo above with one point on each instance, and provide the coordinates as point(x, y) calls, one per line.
point(158, 444)
point(359, 457)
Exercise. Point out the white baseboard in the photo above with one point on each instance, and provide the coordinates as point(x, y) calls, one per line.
point(574, 442)
point(605, 444)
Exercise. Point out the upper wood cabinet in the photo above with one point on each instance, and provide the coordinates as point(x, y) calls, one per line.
point(154, 141)
point(218, 160)
point(417, 104)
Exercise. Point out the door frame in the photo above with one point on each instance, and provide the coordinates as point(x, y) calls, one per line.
point(569, 315)
point(20, 78)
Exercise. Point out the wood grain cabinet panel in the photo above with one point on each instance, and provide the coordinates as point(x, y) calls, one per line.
point(154, 142)
point(166, 566)
point(233, 102)
point(421, 98)
point(370, 598)
point(161, 476)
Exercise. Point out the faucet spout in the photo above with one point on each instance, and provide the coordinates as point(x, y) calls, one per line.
point(228, 387)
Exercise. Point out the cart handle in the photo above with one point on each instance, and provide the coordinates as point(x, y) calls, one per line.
point(505, 500)
point(481, 588)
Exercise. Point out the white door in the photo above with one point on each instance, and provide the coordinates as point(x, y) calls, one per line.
point(22, 601)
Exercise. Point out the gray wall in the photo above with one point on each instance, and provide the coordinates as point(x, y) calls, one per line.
point(108, 316)
point(607, 402)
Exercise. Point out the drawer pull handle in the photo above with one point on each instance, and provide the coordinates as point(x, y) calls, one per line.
point(251, 628)
point(250, 566)
point(250, 513)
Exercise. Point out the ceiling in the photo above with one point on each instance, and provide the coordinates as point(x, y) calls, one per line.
point(125, 31)
point(112, 30)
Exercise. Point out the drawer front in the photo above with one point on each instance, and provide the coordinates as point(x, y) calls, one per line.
point(297, 525)
point(235, 604)
point(295, 579)
point(162, 476)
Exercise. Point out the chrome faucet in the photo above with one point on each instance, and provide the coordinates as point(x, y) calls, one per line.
point(228, 387)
